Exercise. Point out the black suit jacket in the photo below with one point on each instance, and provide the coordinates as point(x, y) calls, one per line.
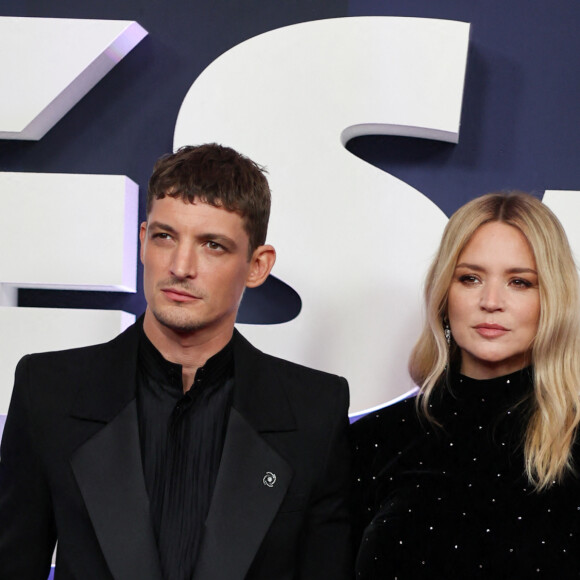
point(71, 469)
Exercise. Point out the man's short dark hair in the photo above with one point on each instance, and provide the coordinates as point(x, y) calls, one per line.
point(219, 176)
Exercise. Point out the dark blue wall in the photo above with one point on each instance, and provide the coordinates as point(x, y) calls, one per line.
point(521, 120)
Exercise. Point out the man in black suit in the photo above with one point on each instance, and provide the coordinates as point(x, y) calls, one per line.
point(178, 451)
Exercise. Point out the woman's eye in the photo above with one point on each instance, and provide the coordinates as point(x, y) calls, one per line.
point(468, 279)
point(521, 283)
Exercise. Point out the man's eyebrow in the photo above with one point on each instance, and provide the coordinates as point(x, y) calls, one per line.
point(220, 238)
point(160, 226)
point(208, 236)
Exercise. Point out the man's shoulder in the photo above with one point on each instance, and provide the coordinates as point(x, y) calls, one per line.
point(80, 356)
point(295, 369)
point(305, 388)
point(286, 368)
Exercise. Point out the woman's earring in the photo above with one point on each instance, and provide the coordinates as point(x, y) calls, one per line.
point(447, 332)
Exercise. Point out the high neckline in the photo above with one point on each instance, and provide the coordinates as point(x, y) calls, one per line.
point(518, 377)
point(510, 388)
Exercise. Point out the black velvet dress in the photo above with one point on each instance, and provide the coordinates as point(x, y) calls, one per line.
point(455, 502)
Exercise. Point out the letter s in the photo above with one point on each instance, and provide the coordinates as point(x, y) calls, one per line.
point(352, 240)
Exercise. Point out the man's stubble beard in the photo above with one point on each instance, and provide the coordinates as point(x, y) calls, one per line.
point(178, 321)
point(177, 318)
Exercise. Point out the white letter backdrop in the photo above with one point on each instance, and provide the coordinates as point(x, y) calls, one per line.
point(353, 241)
point(59, 231)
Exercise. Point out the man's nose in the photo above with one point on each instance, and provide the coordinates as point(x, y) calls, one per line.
point(184, 261)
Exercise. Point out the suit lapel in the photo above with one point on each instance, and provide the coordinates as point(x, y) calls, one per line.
point(108, 467)
point(245, 501)
point(253, 478)
point(109, 471)
point(110, 476)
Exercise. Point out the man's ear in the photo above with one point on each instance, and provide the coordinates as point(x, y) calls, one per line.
point(142, 236)
point(261, 263)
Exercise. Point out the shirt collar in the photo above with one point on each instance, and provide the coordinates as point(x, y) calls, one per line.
point(218, 367)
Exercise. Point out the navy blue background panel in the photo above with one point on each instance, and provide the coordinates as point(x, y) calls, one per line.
point(520, 115)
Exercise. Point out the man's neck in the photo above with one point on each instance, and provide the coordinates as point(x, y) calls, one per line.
point(190, 350)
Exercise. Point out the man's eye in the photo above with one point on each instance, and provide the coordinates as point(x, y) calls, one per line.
point(214, 246)
point(162, 236)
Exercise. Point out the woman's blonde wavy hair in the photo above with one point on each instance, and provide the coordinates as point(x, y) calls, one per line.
point(555, 408)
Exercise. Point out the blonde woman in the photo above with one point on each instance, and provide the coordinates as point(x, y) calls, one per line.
point(474, 477)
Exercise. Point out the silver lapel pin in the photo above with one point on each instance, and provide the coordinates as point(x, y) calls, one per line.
point(269, 479)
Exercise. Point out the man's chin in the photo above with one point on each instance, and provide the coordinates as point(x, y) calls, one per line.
point(178, 323)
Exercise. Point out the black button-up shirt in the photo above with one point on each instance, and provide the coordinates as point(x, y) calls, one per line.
point(182, 437)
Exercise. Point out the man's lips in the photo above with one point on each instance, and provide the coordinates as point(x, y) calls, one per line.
point(491, 330)
point(178, 295)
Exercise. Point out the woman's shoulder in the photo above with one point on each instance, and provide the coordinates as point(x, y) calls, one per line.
point(401, 411)
point(387, 425)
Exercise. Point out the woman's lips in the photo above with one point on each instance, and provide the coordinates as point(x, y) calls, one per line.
point(491, 330)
